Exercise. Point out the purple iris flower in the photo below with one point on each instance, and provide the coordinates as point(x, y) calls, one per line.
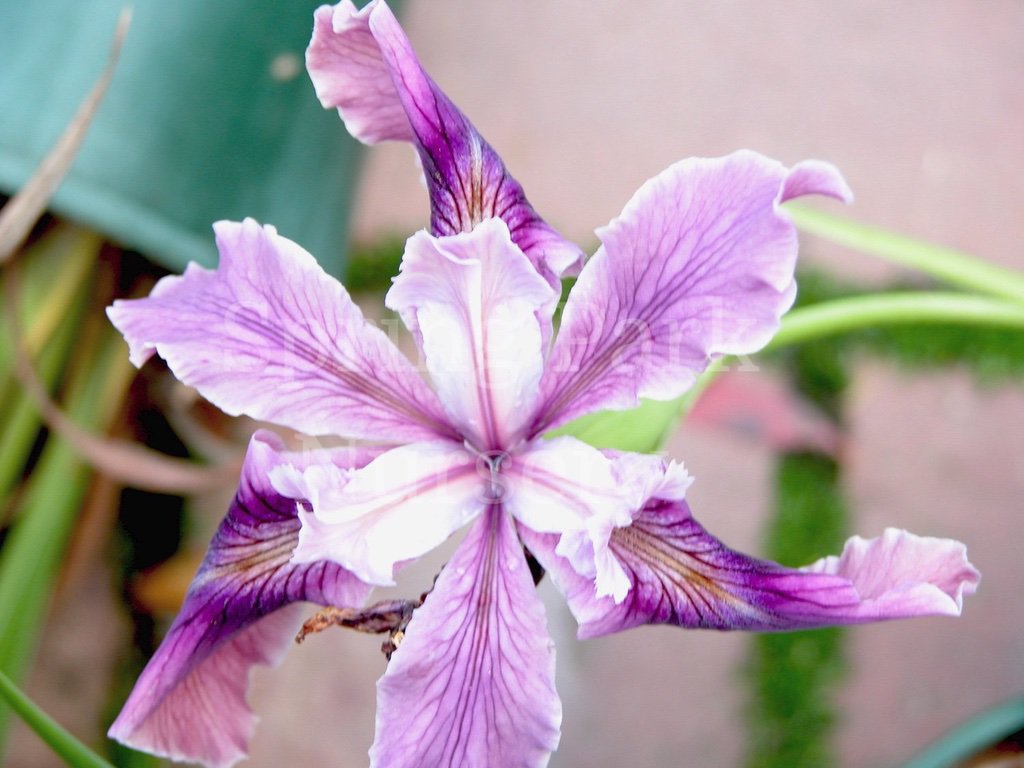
point(698, 265)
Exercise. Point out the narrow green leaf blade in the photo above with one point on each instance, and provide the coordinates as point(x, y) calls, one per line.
point(950, 266)
point(71, 750)
point(841, 315)
point(20, 427)
point(31, 556)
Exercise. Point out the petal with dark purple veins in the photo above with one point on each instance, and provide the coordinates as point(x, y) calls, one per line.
point(189, 703)
point(271, 335)
point(482, 317)
point(565, 486)
point(362, 63)
point(679, 574)
point(472, 683)
point(699, 264)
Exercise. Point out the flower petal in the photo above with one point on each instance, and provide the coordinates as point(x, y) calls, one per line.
point(481, 314)
point(189, 703)
point(698, 265)
point(567, 487)
point(399, 506)
point(900, 574)
point(472, 683)
point(271, 335)
point(361, 62)
point(679, 574)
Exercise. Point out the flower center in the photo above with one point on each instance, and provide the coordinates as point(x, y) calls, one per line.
point(488, 466)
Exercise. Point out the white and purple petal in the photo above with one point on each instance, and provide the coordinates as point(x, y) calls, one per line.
point(362, 63)
point(271, 335)
point(189, 703)
point(699, 264)
point(569, 488)
point(473, 682)
point(399, 506)
point(482, 317)
point(679, 574)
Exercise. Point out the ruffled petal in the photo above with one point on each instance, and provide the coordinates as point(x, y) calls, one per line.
point(481, 314)
point(271, 335)
point(900, 574)
point(473, 682)
point(402, 504)
point(698, 265)
point(567, 487)
point(679, 574)
point(362, 63)
point(189, 703)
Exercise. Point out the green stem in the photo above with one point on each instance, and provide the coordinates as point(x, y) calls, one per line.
point(70, 749)
point(645, 429)
point(856, 312)
point(950, 266)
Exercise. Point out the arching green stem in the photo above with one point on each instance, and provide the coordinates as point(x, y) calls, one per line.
point(945, 264)
point(644, 429)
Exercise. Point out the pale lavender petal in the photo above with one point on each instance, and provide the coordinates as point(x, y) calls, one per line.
point(350, 74)
point(900, 574)
point(482, 315)
point(698, 265)
point(567, 487)
point(402, 504)
point(271, 335)
point(189, 703)
point(814, 177)
point(362, 63)
point(473, 682)
point(679, 574)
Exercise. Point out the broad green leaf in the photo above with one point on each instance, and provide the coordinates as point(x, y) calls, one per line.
point(643, 429)
point(210, 116)
point(971, 738)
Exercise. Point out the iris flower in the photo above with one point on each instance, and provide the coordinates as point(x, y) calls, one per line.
point(699, 264)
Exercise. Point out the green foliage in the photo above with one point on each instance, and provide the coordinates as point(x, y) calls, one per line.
point(46, 511)
point(792, 675)
point(371, 267)
point(209, 116)
point(66, 746)
point(791, 716)
point(993, 355)
point(810, 515)
point(945, 265)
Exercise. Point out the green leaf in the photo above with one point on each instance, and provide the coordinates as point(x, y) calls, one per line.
point(646, 428)
point(873, 310)
point(55, 280)
point(71, 750)
point(965, 741)
point(21, 426)
point(945, 264)
point(642, 429)
point(51, 275)
point(791, 715)
point(210, 116)
point(32, 552)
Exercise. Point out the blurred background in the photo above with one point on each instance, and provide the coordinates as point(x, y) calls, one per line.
point(919, 103)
